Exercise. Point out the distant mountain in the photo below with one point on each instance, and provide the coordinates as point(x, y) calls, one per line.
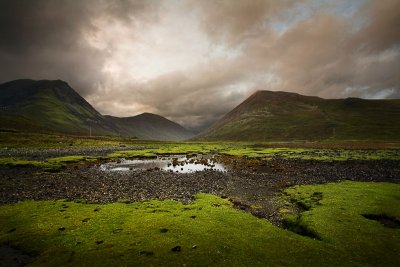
point(283, 116)
point(150, 126)
point(53, 106)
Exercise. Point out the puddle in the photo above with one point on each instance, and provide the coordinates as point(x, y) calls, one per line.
point(177, 164)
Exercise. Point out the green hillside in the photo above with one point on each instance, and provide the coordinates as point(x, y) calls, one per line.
point(50, 106)
point(282, 116)
point(53, 106)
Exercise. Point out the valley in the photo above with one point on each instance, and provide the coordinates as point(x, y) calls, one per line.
point(150, 216)
point(46, 106)
point(247, 133)
point(282, 179)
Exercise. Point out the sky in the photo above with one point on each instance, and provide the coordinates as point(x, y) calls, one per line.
point(193, 61)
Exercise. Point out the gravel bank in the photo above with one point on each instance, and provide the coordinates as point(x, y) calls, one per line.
point(245, 188)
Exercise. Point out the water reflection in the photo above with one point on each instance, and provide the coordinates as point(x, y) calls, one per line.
point(177, 164)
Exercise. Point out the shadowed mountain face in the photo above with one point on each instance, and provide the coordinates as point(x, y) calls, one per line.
point(53, 106)
point(282, 116)
point(50, 106)
point(150, 126)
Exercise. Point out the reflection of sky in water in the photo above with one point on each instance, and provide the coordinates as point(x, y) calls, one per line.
point(162, 163)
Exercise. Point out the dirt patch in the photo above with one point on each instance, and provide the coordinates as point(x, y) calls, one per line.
point(385, 220)
point(12, 256)
point(296, 225)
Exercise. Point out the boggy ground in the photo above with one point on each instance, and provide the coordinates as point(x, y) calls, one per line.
point(70, 221)
point(250, 184)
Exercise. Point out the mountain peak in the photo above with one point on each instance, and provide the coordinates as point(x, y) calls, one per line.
point(150, 115)
point(54, 106)
point(283, 116)
point(152, 127)
point(275, 94)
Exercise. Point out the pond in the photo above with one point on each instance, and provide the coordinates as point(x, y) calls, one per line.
point(177, 164)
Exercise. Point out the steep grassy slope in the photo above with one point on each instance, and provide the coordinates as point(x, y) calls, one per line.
point(49, 106)
point(278, 116)
point(150, 126)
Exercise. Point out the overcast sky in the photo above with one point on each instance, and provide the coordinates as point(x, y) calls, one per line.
point(192, 61)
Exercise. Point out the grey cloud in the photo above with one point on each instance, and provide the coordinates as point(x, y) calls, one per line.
point(322, 54)
point(196, 97)
point(44, 39)
point(382, 29)
point(318, 56)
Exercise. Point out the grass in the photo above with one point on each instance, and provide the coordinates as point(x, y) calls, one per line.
point(52, 164)
point(296, 150)
point(281, 116)
point(334, 213)
point(143, 149)
point(40, 141)
point(15, 162)
point(315, 154)
point(72, 159)
point(250, 150)
point(209, 232)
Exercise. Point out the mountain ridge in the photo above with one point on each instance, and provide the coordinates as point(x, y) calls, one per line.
point(143, 127)
point(284, 116)
point(54, 106)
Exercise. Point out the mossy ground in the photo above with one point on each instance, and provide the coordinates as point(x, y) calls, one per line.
point(313, 154)
point(291, 150)
point(37, 140)
point(209, 232)
point(335, 213)
point(15, 162)
point(248, 150)
point(52, 164)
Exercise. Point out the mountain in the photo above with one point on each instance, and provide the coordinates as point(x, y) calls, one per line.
point(53, 106)
point(150, 126)
point(283, 116)
point(49, 106)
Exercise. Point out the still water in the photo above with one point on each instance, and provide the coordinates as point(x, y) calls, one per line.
point(177, 164)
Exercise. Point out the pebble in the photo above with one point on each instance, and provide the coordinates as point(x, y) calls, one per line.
point(176, 249)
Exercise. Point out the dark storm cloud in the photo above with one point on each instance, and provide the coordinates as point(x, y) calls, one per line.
point(193, 61)
point(45, 39)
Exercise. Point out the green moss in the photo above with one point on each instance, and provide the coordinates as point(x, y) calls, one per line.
point(284, 211)
point(248, 150)
point(15, 162)
point(314, 154)
point(132, 154)
point(153, 149)
point(334, 212)
point(52, 164)
point(36, 140)
point(72, 159)
point(209, 231)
